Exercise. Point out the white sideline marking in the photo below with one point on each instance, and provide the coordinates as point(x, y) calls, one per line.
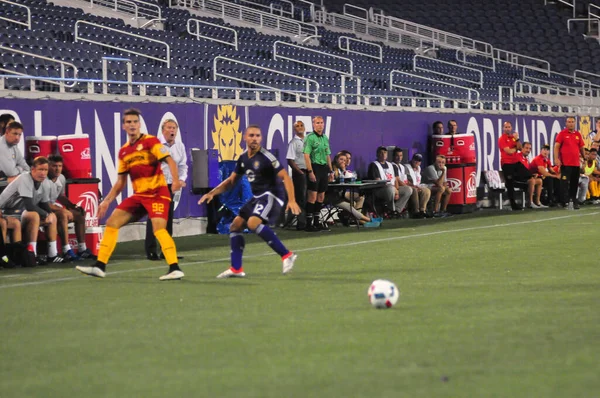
point(70, 278)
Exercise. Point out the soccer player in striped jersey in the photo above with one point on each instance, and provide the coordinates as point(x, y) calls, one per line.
point(262, 170)
point(141, 158)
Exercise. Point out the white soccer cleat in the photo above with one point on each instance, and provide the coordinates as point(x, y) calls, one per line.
point(172, 276)
point(541, 206)
point(229, 273)
point(91, 271)
point(288, 263)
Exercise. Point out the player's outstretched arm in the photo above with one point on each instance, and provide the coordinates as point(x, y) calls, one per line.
point(114, 192)
point(222, 187)
point(289, 189)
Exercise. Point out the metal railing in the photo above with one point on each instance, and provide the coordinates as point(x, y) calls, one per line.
point(520, 60)
point(359, 12)
point(27, 9)
point(525, 87)
point(167, 60)
point(466, 61)
point(362, 27)
point(271, 8)
point(437, 37)
point(364, 101)
point(590, 22)
point(196, 22)
point(282, 44)
point(347, 40)
point(472, 94)
point(583, 72)
point(249, 15)
point(479, 81)
point(577, 83)
point(129, 73)
point(311, 8)
point(63, 68)
point(311, 86)
point(137, 8)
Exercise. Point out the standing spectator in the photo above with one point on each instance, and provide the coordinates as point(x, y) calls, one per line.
point(295, 159)
point(317, 156)
point(177, 151)
point(421, 193)
point(394, 194)
point(438, 128)
point(534, 182)
point(568, 149)
point(27, 198)
point(12, 162)
point(541, 166)
point(5, 120)
point(435, 176)
point(452, 127)
point(509, 145)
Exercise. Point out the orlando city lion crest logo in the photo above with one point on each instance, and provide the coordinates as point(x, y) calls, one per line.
point(226, 133)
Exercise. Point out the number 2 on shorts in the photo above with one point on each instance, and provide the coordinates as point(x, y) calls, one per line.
point(258, 208)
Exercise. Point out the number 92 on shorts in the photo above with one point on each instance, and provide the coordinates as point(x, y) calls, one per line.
point(155, 206)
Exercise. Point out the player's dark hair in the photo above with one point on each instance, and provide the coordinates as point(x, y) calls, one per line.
point(397, 149)
point(526, 142)
point(345, 152)
point(546, 147)
point(39, 161)
point(13, 125)
point(253, 126)
point(55, 158)
point(450, 121)
point(5, 118)
point(130, 112)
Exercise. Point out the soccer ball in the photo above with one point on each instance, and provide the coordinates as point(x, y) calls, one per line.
point(383, 294)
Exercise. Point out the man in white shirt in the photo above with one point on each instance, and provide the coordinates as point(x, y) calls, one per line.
point(395, 194)
point(12, 163)
point(295, 159)
point(421, 192)
point(435, 177)
point(177, 151)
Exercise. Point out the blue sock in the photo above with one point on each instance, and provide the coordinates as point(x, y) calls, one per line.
point(272, 240)
point(237, 249)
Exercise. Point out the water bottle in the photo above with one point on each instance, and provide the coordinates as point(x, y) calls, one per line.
point(353, 178)
point(341, 177)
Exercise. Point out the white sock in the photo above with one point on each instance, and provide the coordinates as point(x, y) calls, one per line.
point(34, 245)
point(52, 251)
point(81, 247)
point(66, 248)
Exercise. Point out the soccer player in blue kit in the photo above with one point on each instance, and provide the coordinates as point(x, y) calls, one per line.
point(262, 170)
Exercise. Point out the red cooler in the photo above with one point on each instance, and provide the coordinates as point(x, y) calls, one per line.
point(458, 148)
point(39, 146)
point(84, 193)
point(462, 180)
point(76, 154)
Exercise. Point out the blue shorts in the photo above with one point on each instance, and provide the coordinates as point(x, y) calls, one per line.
point(266, 207)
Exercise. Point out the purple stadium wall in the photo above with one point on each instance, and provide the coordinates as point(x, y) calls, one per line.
point(220, 126)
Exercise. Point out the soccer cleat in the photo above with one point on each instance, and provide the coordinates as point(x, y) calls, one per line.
point(288, 263)
point(56, 259)
point(533, 206)
point(172, 276)
point(91, 271)
point(84, 255)
point(541, 206)
point(70, 255)
point(41, 260)
point(231, 273)
point(371, 224)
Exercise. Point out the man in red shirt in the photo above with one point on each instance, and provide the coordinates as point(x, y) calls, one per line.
point(568, 149)
point(509, 145)
point(541, 166)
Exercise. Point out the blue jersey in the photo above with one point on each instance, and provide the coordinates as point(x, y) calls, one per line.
point(261, 170)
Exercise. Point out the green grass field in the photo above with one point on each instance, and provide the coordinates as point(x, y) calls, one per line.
point(492, 305)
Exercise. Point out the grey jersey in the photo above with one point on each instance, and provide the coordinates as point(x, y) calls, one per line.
point(58, 187)
point(23, 187)
point(12, 162)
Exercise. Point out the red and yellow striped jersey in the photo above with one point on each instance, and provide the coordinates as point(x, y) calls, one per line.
point(141, 160)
